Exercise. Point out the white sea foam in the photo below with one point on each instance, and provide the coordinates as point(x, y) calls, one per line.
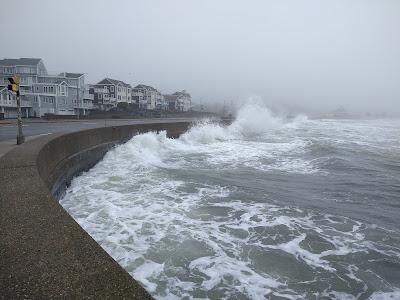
point(240, 144)
point(150, 206)
point(254, 118)
point(393, 295)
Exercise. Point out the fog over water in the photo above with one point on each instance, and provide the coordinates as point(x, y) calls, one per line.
point(307, 55)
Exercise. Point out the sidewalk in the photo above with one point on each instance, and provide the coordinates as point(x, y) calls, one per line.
point(30, 121)
point(8, 145)
point(24, 121)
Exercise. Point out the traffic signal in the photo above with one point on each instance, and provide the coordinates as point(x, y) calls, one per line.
point(14, 84)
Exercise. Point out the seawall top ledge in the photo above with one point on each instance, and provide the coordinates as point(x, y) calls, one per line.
point(44, 253)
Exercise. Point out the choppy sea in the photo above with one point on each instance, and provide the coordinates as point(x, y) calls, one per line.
point(265, 208)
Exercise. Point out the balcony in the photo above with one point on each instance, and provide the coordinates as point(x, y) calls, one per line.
point(88, 96)
point(100, 90)
point(13, 103)
point(8, 103)
point(84, 104)
point(25, 103)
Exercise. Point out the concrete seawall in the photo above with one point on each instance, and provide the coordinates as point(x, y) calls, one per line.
point(44, 253)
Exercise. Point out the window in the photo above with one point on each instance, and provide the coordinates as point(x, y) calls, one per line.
point(112, 88)
point(63, 90)
point(100, 96)
point(9, 70)
point(23, 70)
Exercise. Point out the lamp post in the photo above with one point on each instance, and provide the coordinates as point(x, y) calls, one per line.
point(20, 135)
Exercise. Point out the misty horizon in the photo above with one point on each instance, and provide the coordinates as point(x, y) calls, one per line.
point(309, 56)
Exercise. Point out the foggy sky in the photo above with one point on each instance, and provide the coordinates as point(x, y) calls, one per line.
point(306, 55)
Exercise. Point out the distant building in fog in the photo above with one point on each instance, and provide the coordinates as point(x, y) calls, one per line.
point(179, 101)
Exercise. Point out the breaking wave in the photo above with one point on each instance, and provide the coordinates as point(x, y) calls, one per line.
point(209, 215)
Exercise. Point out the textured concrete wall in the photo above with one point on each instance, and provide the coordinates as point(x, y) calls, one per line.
point(62, 158)
point(44, 253)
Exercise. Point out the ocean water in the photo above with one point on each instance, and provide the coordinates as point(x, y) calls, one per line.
point(265, 208)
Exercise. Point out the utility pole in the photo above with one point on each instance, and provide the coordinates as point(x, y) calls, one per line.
point(14, 87)
point(77, 98)
point(20, 135)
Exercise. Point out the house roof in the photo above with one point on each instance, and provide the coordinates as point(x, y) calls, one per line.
point(143, 86)
point(53, 82)
point(20, 61)
point(182, 93)
point(71, 75)
point(114, 82)
point(51, 79)
point(171, 97)
point(61, 81)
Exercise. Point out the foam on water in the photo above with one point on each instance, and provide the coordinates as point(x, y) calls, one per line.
point(155, 205)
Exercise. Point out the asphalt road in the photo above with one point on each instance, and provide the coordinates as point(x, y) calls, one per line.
point(35, 128)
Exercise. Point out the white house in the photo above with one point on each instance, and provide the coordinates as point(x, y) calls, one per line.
point(42, 93)
point(179, 101)
point(147, 97)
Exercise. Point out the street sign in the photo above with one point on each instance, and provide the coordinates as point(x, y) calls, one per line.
point(14, 84)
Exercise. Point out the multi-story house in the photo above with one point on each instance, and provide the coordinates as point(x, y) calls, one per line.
point(41, 93)
point(148, 98)
point(88, 97)
point(179, 101)
point(61, 94)
point(8, 104)
point(161, 103)
point(79, 92)
point(109, 92)
point(28, 70)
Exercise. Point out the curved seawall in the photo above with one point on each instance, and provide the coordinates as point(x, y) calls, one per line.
point(44, 253)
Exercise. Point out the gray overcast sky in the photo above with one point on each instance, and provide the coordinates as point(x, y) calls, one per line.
point(305, 54)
